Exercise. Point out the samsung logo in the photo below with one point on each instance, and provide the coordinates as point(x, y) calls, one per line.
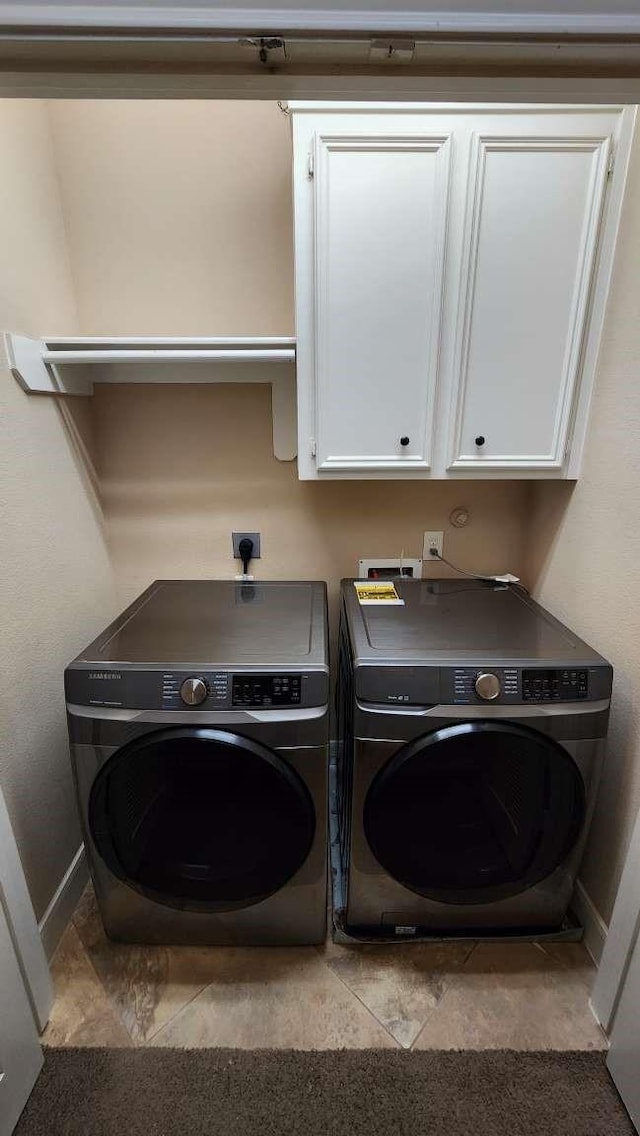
point(104, 674)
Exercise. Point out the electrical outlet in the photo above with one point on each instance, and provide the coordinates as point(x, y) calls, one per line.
point(238, 536)
point(432, 540)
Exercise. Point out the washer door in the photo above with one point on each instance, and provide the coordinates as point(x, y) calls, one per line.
point(201, 819)
point(475, 812)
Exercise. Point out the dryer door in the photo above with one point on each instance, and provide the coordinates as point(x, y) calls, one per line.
point(475, 812)
point(200, 819)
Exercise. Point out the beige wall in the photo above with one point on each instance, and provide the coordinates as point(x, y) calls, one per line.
point(180, 467)
point(56, 578)
point(178, 216)
point(584, 553)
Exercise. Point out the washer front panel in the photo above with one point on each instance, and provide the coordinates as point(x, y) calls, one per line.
point(201, 819)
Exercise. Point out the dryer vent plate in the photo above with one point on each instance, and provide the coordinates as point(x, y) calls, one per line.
point(391, 568)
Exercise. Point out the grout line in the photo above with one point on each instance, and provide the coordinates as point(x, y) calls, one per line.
point(370, 1012)
point(472, 951)
point(178, 1012)
point(405, 1048)
point(435, 1009)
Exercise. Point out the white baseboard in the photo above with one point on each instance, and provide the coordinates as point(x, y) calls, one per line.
point(595, 928)
point(65, 900)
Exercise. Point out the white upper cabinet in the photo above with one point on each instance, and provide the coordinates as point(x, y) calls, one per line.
point(381, 207)
point(452, 267)
point(533, 218)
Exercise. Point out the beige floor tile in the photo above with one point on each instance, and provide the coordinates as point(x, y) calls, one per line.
point(514, 996)
point(275, 998)
point(401, 983)
point(147, 985)
point(572, 956)
point(82, 1013)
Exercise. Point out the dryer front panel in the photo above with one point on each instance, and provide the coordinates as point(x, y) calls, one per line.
point(475, 812)
point(201, 819)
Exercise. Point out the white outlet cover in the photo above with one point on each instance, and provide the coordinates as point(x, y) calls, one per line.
point(432, 540)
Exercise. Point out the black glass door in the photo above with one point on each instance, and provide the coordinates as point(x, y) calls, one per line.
point(475, 812)
point(201, 819)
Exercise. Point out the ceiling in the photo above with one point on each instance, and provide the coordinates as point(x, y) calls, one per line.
point(527, 17)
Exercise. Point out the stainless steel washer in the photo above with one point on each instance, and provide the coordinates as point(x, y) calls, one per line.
point(471, 731)
point(198, 724)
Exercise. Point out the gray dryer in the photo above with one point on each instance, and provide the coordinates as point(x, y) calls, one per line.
point(472, 726)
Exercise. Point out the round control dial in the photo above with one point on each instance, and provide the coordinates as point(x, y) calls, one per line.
point(193, 691)
point(487, 686)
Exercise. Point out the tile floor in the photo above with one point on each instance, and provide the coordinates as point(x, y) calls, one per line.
point(422, 996)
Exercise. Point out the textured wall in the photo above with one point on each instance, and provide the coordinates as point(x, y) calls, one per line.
point(180, 467)
point(584, 553)
point(179, 216)
point(56, 579)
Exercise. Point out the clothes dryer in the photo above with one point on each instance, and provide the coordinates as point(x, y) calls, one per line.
point(472, 726)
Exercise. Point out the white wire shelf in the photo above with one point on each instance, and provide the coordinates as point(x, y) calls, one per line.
point(73, 364)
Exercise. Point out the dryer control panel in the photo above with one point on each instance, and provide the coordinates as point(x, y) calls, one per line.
point(468, 688)
point(554, 685)
point(513, 685)
point(479, 685)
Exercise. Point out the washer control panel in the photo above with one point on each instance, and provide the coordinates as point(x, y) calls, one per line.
point(180, 690)
point(196, 691)
point(221, 690)
point(266, 690)
point(193, 691)
point(487, 686)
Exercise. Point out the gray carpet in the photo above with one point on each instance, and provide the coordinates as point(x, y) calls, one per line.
point(231, 1092)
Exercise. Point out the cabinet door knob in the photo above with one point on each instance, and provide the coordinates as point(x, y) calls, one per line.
point(404, 441)
point(480, 440)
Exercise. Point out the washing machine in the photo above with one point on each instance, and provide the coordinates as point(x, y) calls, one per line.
point(471, 730)
point(198, 726)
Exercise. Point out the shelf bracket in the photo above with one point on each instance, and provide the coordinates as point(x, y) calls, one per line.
point(26, 361)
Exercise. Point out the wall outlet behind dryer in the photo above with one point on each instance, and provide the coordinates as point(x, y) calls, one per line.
point(432, 540)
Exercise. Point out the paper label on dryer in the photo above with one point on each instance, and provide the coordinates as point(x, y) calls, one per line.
point(379, 592)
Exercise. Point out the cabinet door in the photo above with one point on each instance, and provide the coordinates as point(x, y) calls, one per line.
point(533, 215)
point(380, 224)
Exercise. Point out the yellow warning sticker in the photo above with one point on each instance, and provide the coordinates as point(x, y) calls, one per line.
point(377, 592)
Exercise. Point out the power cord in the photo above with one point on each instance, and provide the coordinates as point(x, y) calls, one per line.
point(507, 578)
point(245, 548)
